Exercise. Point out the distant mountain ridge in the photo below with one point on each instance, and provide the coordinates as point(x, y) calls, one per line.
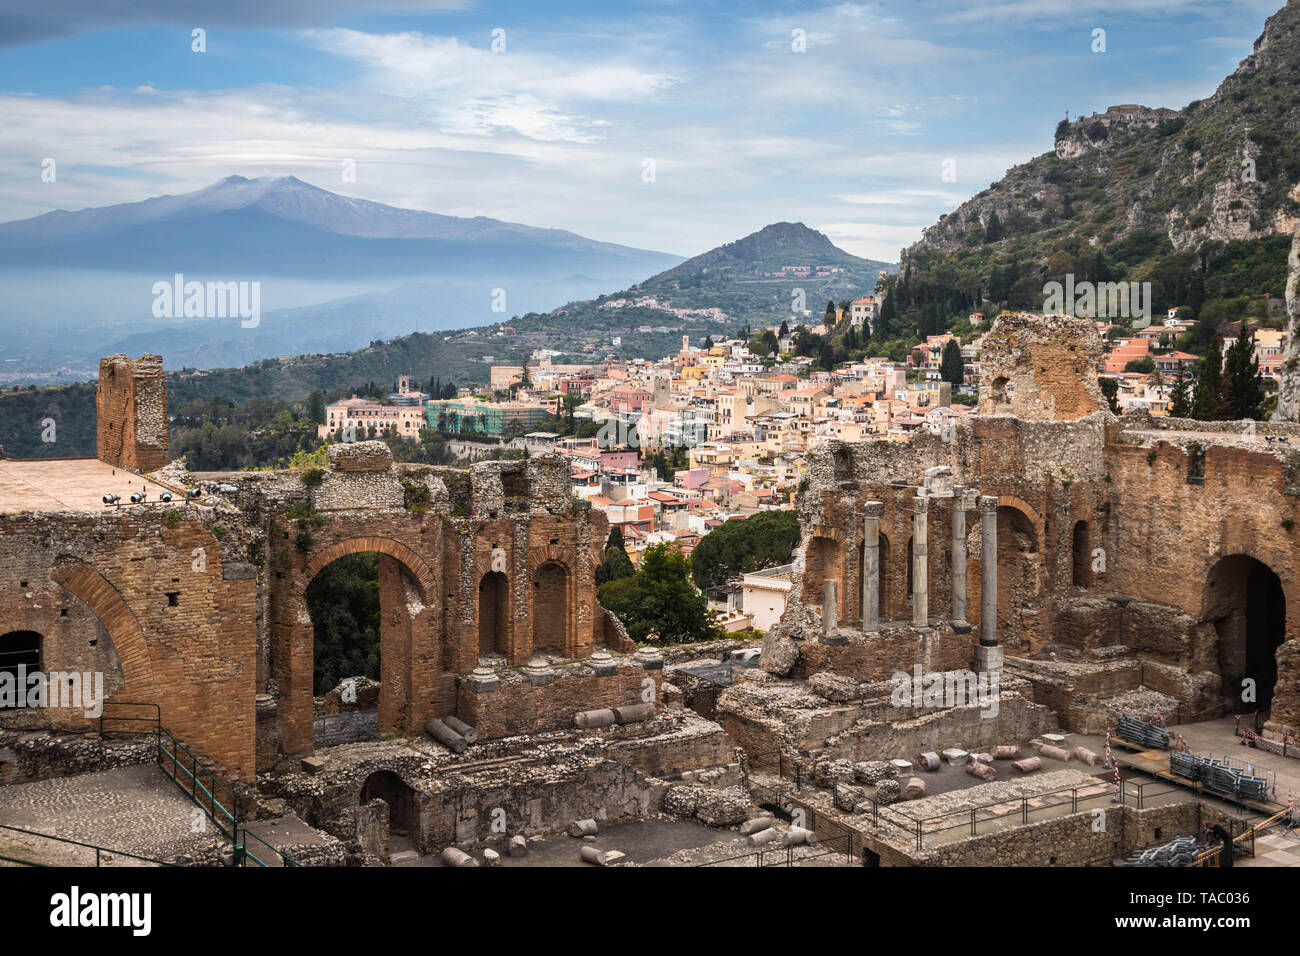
point(289, 199)
point(1219, 169)
point(309, 249)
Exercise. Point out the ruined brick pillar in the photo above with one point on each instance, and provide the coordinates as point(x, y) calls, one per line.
point(988, 655)
point(920, 562)
point(871, 567)
point(131, 408)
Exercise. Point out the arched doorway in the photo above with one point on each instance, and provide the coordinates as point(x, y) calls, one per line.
point(20, 655)
point(1018, 591)
point(1245, 601)
point(408, 658)
point(493, 614)
point(403, 810)
point(551, 609)
point(822, 560)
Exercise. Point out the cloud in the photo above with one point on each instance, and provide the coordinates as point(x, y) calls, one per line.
point(473, 90)
point(24, 22)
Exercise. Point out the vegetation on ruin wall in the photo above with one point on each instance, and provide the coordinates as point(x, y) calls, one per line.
point(343, 601)
point(659, 599)
point(764, 540)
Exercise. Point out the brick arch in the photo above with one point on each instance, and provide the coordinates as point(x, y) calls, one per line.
point(551, 553)
point(413, 563)
point(1020, 574)
point(410, 647)
point(1011, 501)
point(104, 601)
point(1245, 599)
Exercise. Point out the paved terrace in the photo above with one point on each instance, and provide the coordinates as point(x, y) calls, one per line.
point(67, 484)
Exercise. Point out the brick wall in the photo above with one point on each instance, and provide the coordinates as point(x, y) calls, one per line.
point(520, 707)
point(131, 410)
point(139, 608)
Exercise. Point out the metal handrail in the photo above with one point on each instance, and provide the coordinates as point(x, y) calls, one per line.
point(89, 846)
point(285, 859)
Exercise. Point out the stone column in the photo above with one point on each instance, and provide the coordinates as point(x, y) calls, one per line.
point(961, 503)
point(830, 608)
point(920, 558)
point(871, 567)
point(988, 655)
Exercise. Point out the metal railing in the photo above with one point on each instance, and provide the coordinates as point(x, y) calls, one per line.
point(243, 853)
point(1211, 857)
point(969, 816)
point(100, 851)
point(790, 856)
point(194, 778)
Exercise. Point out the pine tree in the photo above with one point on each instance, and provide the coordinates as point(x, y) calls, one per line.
point(1206, 402)
point(993, 231)
point(1180, 401)
point(1242, 393)
point(951, 367)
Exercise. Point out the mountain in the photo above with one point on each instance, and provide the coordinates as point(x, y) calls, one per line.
point(1218, 169)
point(218, 224)
point(734, 278)
point(768, 250)
point(333, 273)
point(746, 280)
point(1193, 200)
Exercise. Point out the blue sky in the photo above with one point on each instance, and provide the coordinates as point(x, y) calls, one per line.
point(848, 135)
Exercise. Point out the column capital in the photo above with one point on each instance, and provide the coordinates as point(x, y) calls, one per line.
point(988, 503)
point(873, 509)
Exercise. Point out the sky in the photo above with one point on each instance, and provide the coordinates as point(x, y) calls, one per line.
point(674, 125)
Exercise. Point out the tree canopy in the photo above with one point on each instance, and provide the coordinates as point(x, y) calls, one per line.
point(764, 540)
point(660, 599)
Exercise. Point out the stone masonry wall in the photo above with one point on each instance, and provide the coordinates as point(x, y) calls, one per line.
point(131, 409)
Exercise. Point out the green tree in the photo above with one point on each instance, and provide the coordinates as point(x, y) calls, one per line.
point(343, 601)
point(766, 539)
point(993, 231)
point(951, 367)
point(1110, 389)
point(617, 565)
point(660, 599)
point(1180, 400)
point(1206, 400)
point(1243, 390)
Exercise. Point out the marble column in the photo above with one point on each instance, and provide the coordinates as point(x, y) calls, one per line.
point(920, 562)
point(962, 500)
point(988, 655)
point(830, 607)
point(871, 567)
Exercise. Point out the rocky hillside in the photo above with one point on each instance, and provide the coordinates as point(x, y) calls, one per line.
point(1218, 169)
